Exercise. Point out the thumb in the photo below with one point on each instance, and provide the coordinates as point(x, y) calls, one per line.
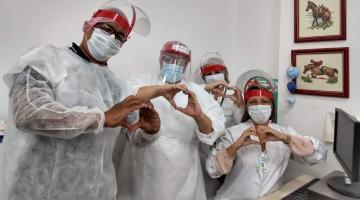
point(134, 127)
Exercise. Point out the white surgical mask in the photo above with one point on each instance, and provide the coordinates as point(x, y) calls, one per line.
point(172, 73)
point(214, 77)
point(102, 46)
point(260, 114)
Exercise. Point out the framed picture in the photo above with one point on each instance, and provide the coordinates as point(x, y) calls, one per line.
point(323, 72)
point(319, 20)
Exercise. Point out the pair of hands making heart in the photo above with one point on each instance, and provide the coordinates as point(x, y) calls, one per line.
point(219, 88)
point(263, 134)
point(149, 119)
point(192, 108)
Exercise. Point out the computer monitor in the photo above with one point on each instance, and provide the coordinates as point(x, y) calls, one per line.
point(347, 151)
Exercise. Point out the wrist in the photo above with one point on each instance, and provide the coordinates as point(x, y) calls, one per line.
point(199, 116)
point(232, 149)
point(286, 138)
point(206, 88)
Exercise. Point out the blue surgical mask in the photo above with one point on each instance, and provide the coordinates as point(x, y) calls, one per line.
point(172, 73)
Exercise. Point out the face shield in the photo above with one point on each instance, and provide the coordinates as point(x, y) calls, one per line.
point(128, 17)
point(212, 68)
point(253, 77)
point(174, 59)
point(258, 83)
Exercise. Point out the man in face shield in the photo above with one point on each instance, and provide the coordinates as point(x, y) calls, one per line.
point(66, 109)
point(166, 165)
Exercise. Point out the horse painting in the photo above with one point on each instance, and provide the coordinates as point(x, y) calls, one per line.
point(319, 12)
point(320, 70)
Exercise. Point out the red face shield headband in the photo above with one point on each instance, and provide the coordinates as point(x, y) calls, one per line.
point(177, 49)
point(212, 68)
point(258, 92)
point(115, 17)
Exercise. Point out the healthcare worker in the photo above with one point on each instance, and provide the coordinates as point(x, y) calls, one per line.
point(166, 165)
point(255, 153)
point(64, 105)
point(214, 72)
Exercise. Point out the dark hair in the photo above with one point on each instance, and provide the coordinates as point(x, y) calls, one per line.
point(246, 115)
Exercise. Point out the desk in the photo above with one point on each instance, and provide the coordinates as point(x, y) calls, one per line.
point(288, 188)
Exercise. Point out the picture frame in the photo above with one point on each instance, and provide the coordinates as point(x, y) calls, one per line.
point(323, 72)
point(319, 20)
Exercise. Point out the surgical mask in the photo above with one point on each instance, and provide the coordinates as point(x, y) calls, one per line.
point(172, 73)
point(260, 114)
point(102, 46)
point(214, 77)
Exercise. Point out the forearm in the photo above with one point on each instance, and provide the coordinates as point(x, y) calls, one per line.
point(204, 123)
point(307, 150)
point(219, 163)
point(147, 93)
point(232, 149)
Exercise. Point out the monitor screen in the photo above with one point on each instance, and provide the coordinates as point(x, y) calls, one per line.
point(345, 142)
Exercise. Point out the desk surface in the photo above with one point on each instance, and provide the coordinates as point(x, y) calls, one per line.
point(288, 188)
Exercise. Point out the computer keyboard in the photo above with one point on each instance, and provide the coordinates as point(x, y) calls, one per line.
point(303, 194)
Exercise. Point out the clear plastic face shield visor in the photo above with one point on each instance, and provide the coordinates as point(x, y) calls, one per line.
point(127, 16)
point(212, 68)
point(259, 77)
point(174, 60)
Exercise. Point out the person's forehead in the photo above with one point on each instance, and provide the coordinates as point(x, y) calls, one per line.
point(175, 55)
point(258, 98)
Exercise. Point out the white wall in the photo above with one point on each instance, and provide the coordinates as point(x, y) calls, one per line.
point(307, 116)
point(258, 36)
point(205, 25)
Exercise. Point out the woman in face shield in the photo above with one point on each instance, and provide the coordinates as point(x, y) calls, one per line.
point(255, 153)
point(214, 72)
point(166, 165)
point(65, 112)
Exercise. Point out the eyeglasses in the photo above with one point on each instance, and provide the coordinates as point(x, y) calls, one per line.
point(169, 59)
point(109, 30)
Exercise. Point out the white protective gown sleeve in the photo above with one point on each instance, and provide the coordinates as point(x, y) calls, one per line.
point(56, 146)
point(242, 167)
point(140, 138)
point(36, 111)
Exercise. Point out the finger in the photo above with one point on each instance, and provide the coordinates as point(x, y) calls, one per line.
point(172, 102)
point(233, 98)
point(183, 110)
point(236, 90)
point(132, 108)
point(181, 86)
point(134, 127)
point(125, 123)
point(220, 83)
point(191, 94)
point(150, 105)
point(129, 97)
point(217, 91)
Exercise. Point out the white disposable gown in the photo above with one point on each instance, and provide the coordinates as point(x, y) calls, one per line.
point(166, 165)
point(56, 147)
point(233, 116)
point(243, 181)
